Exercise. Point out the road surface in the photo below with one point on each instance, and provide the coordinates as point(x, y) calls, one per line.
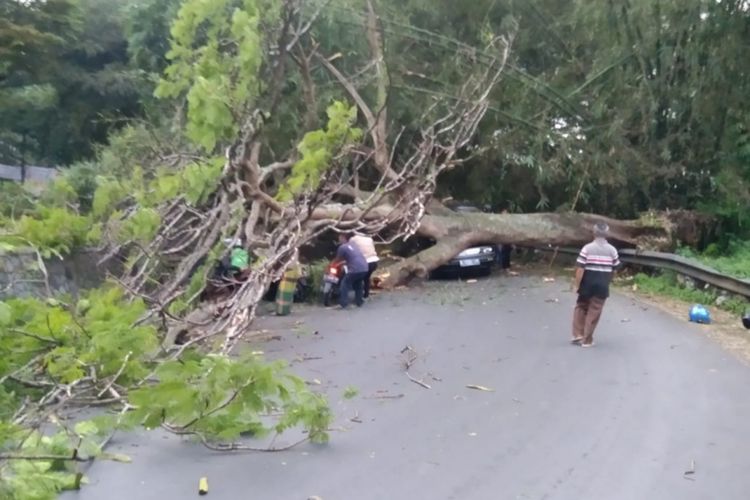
point(625, 420)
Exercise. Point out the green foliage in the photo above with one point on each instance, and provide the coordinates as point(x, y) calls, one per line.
point(69, 214)
point(319, 148)
point(733, 260)
point(82, 179)
point(25, 477)
point(108, 193)
point(195, 182)
point(98, 343)
point(14, 201)
point(53, 342)
point(224, 398)
point(611, 108)
point(732, 202)
point(96, 333)
point(60, 193)
point(69, 86)
point(215, 56)
point(196, 285)
point(199, 180)
point(315, 272)
point(350, 392)
point(668, 285)
point(141, 226)
point(147, 28)
point(135, 144)
point(52, 230)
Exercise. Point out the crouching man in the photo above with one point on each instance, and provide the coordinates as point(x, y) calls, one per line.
point(356, 271)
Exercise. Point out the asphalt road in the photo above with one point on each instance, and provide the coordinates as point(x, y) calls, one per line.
point(625, 420)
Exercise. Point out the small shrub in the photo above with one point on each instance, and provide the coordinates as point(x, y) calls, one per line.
point(316, 270)
point(14, 199)
point(668, 285)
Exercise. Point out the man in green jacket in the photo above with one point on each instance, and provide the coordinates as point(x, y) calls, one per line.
point(239, 259)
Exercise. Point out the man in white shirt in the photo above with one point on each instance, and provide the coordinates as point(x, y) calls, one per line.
point(595, 266)
point(366, 245)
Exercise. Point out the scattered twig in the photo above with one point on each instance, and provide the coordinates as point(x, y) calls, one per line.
point(13, 374)
point(34, 336)
point(68, 458)
point(418, 382)
point(409, 357)
point(479, 388)
point(232, 446)
point(300, 359)
point(690, 472)
point(384, 396)
point(116, 376)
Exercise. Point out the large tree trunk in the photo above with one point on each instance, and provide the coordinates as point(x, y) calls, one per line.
point(454, 233)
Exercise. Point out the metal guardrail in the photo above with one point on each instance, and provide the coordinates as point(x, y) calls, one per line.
point(681, 265)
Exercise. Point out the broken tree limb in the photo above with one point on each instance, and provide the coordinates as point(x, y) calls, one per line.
point(418, 382)
point(409, 356)
point(457, 232)
point(279, 203)
point(453, 232)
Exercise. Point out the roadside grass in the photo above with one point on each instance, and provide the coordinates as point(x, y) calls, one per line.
point(733, 260)
point(667, 284)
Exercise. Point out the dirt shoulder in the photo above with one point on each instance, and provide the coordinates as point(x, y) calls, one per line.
point(726, 329)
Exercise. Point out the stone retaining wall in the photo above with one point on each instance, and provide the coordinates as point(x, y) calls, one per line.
point(21, 276)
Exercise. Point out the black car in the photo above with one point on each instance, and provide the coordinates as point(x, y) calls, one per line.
point(475, 260)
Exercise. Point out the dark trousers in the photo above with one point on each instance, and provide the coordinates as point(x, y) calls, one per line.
point(354, 281)
point(505, 252)
point(586, 316)
point(372, 266)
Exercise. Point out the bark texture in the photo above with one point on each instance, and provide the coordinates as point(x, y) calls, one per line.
point(456, 232)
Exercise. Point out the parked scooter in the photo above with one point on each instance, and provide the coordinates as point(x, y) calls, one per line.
point(334, 273)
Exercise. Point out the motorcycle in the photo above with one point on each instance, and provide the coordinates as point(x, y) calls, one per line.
point(334, 273)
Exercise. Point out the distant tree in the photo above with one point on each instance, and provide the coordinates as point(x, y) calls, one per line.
point(65, 79)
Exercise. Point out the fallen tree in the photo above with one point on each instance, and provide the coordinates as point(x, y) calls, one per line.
point(279, 202)
point(378, 179)
point(451, 232)
point(250, 175)
point(455, 233)
point(167, 222)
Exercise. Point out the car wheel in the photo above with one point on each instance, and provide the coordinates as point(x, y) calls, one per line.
point(327, 294)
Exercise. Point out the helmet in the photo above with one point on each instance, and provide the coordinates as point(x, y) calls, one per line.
point(699, 314)
point(746, 320)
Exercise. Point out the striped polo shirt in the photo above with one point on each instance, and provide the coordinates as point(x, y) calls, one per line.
point(599, 259)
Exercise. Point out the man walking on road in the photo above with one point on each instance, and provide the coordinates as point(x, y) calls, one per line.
point(594, 269)
point(356, 271)
point(366, 245)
